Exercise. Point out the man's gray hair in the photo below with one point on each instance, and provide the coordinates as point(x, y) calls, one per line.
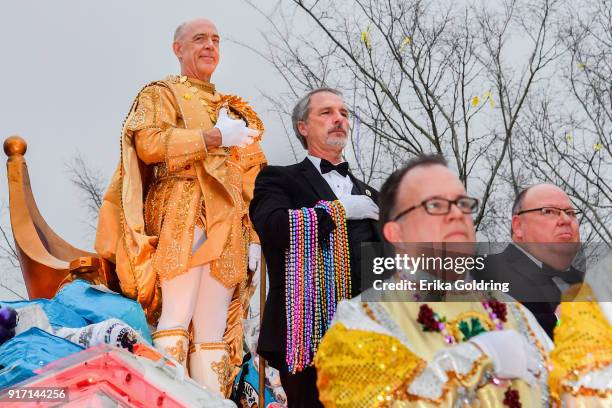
point(302, 109)
point(179, 31)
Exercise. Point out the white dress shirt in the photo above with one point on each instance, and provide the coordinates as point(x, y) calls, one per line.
point(340, 185)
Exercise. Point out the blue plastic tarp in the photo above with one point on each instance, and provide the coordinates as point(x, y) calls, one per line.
point(28, 351)
point(96, 306)
point(58, 314)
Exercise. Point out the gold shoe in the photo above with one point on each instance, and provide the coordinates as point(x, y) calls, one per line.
point(173, 343)
point(209, 366)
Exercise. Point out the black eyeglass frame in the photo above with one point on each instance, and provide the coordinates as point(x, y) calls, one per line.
point(450, 203)
point(561, 210)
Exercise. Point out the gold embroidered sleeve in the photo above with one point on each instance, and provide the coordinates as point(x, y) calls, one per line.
point(184, 146)
point(158, 136)
point(582, 357)
point(357, 368)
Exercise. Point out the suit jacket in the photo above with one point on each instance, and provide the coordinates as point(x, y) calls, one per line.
point(529, 284)
point(278, 189)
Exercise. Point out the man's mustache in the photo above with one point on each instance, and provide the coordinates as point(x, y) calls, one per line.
point(337, 129)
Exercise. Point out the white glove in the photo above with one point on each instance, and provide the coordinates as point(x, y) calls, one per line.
point(233, 131)
point(359, 207)
point(510, 353)
point(255, 262)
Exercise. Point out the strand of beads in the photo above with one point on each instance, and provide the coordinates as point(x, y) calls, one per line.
point(317, 277)
point(496, 311)
point(317, 293)
point(431, 321)
point(330, 293)
point(290, 295)
point(339, 250)
point(301, 306)
point(322, 301)
point(342, 255)
point(310, 268)
point(301, 261)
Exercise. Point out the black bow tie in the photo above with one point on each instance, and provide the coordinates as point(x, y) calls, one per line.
point(341, 168)
point(570, 276)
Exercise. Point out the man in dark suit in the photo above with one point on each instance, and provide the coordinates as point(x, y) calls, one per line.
point(320, 121)
point(538, 263)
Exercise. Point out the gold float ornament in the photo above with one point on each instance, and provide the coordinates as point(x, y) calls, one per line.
point(47, 261)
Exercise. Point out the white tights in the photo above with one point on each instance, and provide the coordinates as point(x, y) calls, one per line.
point(197, 296)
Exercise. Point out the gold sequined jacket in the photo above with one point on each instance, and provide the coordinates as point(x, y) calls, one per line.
point(167, 182)
point(376, 354)
point(581, 361)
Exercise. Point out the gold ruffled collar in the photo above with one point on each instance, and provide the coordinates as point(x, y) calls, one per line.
point(207, 87)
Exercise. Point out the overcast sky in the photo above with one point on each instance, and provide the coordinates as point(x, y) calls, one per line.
point(70, 70)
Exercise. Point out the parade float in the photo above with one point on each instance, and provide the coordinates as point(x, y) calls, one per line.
point(77, 341)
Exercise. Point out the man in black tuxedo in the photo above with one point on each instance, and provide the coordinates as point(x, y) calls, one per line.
point(320, 121)
point(538, 263)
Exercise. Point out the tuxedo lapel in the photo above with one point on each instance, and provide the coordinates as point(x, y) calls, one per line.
point(361, 188)
point(539, 275)
point(532, 279)
point(318, 183)
point(524, 266)
point(357, 187)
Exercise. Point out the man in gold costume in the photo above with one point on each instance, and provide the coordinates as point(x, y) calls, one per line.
point(423, 352)
point(175, 217)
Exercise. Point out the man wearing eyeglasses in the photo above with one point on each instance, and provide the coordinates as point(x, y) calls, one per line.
point(538, 262)
point(421, 353)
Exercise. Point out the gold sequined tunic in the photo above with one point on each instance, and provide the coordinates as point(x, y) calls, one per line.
point(581, 374)
point(378, 355)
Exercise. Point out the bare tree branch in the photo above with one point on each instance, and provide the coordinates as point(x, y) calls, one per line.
point(90, 185)
point(426, 76)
